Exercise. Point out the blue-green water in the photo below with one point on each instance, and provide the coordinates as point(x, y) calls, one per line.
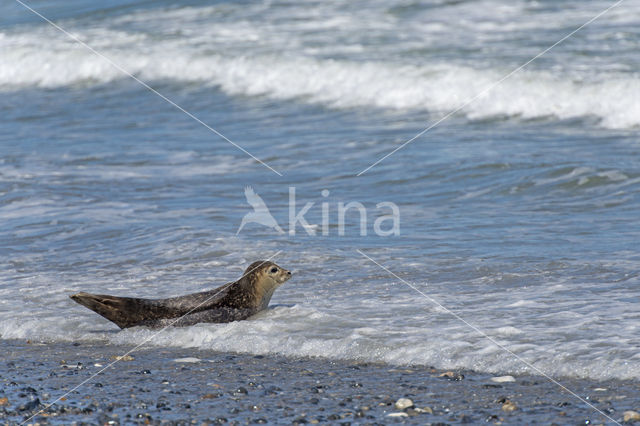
point(519, 212)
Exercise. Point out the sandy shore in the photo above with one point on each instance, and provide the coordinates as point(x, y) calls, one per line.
point(189, 386)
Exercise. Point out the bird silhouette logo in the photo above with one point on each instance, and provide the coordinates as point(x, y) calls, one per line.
point(260, 213)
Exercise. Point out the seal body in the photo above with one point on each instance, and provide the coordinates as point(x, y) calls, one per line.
point(233, 301)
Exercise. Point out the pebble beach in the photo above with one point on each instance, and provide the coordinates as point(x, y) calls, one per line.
point(180, 386)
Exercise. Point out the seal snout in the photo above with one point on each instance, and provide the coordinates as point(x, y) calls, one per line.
point(284, 276)
point(78, 296)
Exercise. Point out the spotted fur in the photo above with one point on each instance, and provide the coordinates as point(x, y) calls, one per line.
point(233, 301)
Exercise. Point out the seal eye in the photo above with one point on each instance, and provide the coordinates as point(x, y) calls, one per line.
point(274, 270)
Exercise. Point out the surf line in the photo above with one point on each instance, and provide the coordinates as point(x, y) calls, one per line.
point(489, 88)
point(485, 335)
point(145, 85)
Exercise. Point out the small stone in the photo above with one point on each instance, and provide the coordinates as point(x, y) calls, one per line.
point(425, 410)
point(452, 376)
point(631, 416)
point(211, 396)
point(241, 391)
point(503, 379)
point(600, 389)
point(509, 407)
point(403, 403)
point(4, 401)
point(493, 418)
point(187, 360)
point(122, 357)
point(30, 406)
point(400, 414)
point(30, 390)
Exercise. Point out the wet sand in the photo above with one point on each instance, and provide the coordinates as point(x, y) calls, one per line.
point(190, 386)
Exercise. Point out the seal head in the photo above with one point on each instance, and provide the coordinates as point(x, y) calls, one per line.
point(263, 278)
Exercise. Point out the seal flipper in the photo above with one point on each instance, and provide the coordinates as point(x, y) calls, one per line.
point(123, 311)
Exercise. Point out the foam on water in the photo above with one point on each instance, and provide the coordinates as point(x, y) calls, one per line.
point(305, 331)
point(559, 336)
point(209, 54)
point(341, 84)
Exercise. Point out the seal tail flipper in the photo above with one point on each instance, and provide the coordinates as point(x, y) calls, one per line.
point(123, 311)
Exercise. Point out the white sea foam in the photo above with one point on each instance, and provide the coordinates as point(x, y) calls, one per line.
point(46, 59)
point(306, 330)
point(294, 332)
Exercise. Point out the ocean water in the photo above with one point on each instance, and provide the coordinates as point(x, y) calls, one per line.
point(519, 212)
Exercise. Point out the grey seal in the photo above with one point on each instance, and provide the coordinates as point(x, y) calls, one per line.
point(233, 301)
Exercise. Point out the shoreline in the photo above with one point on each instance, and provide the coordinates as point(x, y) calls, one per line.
point(194, 386)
